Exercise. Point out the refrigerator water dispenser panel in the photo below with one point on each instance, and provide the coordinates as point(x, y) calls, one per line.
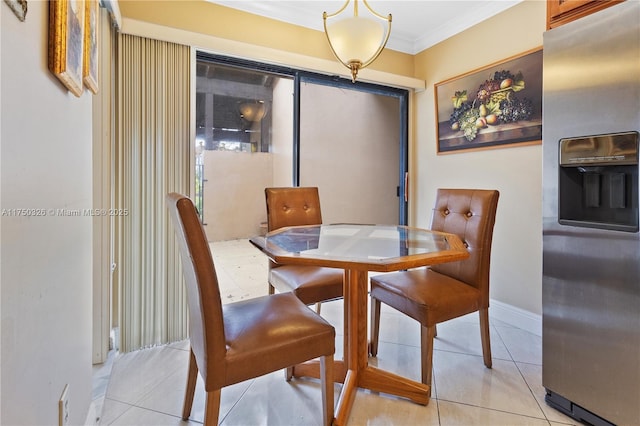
point(598, 182)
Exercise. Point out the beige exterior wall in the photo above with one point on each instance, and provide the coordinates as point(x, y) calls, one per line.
point(516, 268)
point(282, 132)
point(234, 203)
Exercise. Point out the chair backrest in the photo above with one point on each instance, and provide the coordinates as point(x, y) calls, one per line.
point(206, 327)
point(470, 214)
point(292, 207)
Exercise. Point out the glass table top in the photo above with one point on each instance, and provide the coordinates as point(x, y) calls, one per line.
point(375, 247)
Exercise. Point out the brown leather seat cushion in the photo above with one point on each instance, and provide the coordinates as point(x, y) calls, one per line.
point(309, 283)
point(425, 295)
point(272, 332)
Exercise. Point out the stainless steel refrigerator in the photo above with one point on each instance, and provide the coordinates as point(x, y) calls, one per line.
point(591, 244)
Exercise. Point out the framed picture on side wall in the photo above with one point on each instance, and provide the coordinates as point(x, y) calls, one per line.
point(495, 106)
point(66, 42)
point(90, 57)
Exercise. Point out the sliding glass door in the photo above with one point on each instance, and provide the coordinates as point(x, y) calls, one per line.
point(258, 126)
point(351, 147)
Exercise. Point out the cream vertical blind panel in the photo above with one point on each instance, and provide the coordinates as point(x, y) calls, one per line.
point(153, 157)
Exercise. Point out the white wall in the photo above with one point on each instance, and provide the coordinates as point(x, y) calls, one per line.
point(516, 267)
point(45, 137)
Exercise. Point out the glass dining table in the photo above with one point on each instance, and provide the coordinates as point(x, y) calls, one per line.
point(360, 249)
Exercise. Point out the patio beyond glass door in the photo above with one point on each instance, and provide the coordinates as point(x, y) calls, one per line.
point(244, 143)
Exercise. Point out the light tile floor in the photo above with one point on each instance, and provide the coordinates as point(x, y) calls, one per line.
point(146, 387)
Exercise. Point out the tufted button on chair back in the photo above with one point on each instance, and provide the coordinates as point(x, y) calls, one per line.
point(470, 214)
point(292, 207)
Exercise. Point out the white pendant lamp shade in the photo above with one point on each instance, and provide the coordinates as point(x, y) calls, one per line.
point(356, 39)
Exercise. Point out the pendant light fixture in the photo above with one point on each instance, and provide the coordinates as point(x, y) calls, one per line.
point(357, 40)
point(252, 111)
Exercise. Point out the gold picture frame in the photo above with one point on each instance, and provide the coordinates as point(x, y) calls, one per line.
point(90, 57)
point(66, 42)
point(496, 106)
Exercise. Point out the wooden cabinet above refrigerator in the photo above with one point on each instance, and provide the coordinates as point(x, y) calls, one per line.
point(560, 12)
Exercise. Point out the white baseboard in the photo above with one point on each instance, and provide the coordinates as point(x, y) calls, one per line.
point(516, 317)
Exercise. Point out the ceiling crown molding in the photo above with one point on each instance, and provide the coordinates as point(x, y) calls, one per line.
point(417, 25)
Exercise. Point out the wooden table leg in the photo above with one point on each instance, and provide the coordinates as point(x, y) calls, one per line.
point(355, 351)
point(355, 371)
point(378, 380)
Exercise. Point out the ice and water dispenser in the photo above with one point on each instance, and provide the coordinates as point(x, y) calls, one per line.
point(598, 181)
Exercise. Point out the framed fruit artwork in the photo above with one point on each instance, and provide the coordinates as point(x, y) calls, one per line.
point(494, 106)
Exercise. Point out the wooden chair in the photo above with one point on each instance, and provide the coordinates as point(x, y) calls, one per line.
point(449, 290)
point(239, 341)
point(311, 284)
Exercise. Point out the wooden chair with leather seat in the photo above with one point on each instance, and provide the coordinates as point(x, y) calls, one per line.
point(442, 292)
point(296, 206)
point(239, 341)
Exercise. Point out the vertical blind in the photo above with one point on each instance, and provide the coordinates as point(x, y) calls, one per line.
point(152, 157)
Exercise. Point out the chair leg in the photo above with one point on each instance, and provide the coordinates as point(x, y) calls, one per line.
point(318, 306)
point(192, 377)
point(212, 408)
point(326, 380)
point(426, 344)
point(288, 374)
point(375, 326)
point(272, 289)
point(484, 335)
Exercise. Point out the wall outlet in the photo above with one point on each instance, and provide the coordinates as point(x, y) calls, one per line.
point(63, 407)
